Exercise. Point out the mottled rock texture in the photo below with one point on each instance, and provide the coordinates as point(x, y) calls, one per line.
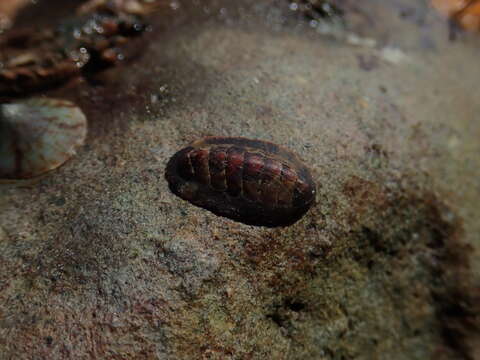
point(100, 261)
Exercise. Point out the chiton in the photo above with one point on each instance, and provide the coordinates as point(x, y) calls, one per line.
point(35, 59)
point(251, 181)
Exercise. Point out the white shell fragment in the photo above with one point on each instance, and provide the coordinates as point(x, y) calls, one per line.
point(38, 135)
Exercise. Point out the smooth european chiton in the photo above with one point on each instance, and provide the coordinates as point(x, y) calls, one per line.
point(38, 135)
point(252, 181)
point(34, 59)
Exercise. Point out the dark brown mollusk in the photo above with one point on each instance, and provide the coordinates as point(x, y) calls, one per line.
point(252, 181)
point(36, 59)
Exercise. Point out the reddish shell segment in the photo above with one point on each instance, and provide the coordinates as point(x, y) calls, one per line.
point(252, 181)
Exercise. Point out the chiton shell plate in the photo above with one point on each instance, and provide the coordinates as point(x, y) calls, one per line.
point(38, 135)
point(252, 181)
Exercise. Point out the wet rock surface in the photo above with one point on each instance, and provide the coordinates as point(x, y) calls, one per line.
point(101, 260)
